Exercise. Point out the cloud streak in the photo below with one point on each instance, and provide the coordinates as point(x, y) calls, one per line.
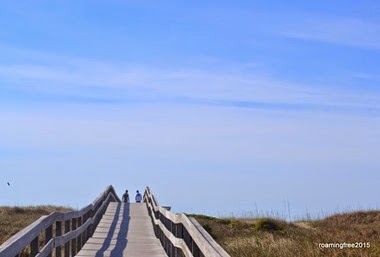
point(74, 80)
point(344, 31)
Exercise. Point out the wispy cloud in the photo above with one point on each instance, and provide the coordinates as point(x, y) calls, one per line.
point(88, 81)
point(342, 31)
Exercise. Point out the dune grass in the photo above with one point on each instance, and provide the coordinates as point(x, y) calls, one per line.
point(251, 237)
point(14, 219)
point(273, 237)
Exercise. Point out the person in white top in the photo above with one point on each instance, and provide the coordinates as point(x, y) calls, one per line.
point(138, 197)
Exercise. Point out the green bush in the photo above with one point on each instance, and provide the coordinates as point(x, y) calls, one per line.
point(265, 224)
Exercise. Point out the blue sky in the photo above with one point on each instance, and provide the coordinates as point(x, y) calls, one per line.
point(222, 107)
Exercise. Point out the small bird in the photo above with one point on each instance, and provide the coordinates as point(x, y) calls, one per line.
point(8, 184)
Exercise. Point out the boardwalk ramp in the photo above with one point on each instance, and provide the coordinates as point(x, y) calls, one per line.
point(125, 230)
point(109, 228)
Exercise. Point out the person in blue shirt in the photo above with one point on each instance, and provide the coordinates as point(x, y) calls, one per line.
point(138, 197)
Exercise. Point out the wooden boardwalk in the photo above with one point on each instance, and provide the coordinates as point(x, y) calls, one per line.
point(124, 230)
point(109, 228)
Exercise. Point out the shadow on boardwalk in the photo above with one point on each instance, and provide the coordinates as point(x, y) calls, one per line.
point(122, 213)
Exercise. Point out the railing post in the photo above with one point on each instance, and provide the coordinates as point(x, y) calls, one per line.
point(79, 238)
point(74, 240)
point(179, 230)
point(84, 234)
point(34, 247)
point(91, 227)
point(49, 236)
point(58, 232)
point(67, 245)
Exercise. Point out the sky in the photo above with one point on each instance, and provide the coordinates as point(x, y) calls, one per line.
point(224, 108)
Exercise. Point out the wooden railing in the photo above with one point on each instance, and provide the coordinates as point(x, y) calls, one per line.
point(59, 234)
point(181, 236)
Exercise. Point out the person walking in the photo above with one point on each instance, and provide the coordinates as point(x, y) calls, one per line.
point(138, 197)
point(126, 197)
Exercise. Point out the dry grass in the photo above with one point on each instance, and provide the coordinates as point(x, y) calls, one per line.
point(14, 219)
point(254, 237)
point(271, 237)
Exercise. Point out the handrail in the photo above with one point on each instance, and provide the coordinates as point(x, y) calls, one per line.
point(179, 234)
point(78, 227)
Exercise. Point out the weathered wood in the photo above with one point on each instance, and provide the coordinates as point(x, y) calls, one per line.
point(58, 232)
point(34, 247)
point(46, 250)
point(49, 236)
point(18, 242)
point(124, 230)
point(84, 234)
point(73, 241)
point(79, 238)
point(177, 242)
point(180, 236)
point(183, 233)
point(65, 239)
point(67, 243)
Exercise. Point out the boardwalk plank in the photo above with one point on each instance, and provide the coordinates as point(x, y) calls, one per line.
point(125, 230)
